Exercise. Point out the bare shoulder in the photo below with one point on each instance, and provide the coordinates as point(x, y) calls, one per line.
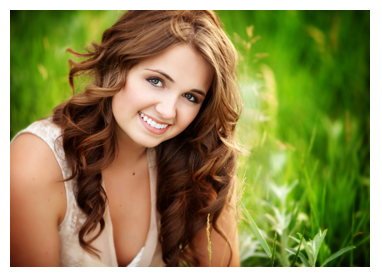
point(37, 202)
point(32, 160)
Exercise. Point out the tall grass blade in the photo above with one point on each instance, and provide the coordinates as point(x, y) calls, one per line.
point(257, 231)
point(346, 241)
point(362, 241)
point(268, 186)
point(298, 250)
point(209, 239)
point(312, 201)
point(350, 234)
point(311, 141)
point(300, 255)
point(297, 210)
point(323, 198)
point(337, 254)
point(295, 239)
point(274, 250)
point(352, 239)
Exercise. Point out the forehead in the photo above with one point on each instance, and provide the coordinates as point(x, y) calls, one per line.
point(185, 65)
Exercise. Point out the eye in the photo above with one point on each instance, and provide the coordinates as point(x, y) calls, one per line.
point(155, 81)
point(191, 98)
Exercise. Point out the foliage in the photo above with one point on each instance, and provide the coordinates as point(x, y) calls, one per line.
point(312, 248)
point(304, 77)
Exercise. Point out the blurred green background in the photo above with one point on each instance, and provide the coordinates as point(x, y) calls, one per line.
point(305, 83)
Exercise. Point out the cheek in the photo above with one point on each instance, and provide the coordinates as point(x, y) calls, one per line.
point(127, 100)
point(115, 104)
point(187, 116)
point(119, 106)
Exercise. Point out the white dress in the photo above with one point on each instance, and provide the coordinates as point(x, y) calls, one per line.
point(71, 253)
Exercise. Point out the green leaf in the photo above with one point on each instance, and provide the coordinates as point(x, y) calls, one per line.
point(295, 239)
point(298, 251)
point(272, 221)
point(260, 255)
point(337, 254)
point(282, 218)
point(291, 250)
point(303, 259)
point(308, 250)
point(257, 231)
point(316, 243)
point(300, 255)
point(274, 250)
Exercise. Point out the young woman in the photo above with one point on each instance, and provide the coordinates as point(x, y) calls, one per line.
point(132, 171)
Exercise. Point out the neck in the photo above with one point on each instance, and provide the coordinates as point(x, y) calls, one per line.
point(129, 153)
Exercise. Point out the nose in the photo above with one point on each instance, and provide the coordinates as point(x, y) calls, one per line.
point(167, 108)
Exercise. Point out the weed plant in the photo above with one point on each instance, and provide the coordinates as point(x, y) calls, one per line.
point(306, 124)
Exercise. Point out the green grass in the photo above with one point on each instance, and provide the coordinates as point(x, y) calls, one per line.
point(312, 90)
point(305, 83)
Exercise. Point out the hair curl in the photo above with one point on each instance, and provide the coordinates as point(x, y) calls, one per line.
point(197, 168)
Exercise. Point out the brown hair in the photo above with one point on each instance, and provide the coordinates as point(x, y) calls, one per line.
point(197, 168)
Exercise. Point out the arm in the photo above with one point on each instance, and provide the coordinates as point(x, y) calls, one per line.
point(219, 248)
point(37, 203)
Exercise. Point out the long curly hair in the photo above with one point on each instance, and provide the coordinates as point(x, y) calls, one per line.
point(197, 168)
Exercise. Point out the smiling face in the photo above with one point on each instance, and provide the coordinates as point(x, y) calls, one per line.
point(162, 96)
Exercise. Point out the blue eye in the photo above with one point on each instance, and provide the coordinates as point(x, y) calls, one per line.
point(155, 81)
point(191, 98)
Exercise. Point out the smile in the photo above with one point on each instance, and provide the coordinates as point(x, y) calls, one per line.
point(152, 125)
point(151, 122)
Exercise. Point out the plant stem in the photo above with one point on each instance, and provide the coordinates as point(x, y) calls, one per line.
point(274, 250)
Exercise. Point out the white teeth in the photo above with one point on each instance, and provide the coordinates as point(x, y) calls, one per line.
point(151, 122)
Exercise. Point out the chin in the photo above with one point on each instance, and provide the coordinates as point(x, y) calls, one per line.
point(149, 143)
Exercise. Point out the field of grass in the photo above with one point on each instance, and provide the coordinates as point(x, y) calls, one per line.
point(305, 84)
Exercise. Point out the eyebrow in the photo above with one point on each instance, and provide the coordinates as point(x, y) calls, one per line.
point(200, 92)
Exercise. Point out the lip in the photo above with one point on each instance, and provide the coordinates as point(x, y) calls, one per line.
point(156, 120)
point(152, 129)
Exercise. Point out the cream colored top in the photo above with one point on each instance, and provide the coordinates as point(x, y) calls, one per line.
point(71, 253)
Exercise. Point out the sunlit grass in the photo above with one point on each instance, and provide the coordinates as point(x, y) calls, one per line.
point(301, 122)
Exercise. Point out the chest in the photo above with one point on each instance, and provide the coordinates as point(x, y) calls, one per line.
point(129, 200)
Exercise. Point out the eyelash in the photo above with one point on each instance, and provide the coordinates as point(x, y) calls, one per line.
point(150, 80)
point(196, 101)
